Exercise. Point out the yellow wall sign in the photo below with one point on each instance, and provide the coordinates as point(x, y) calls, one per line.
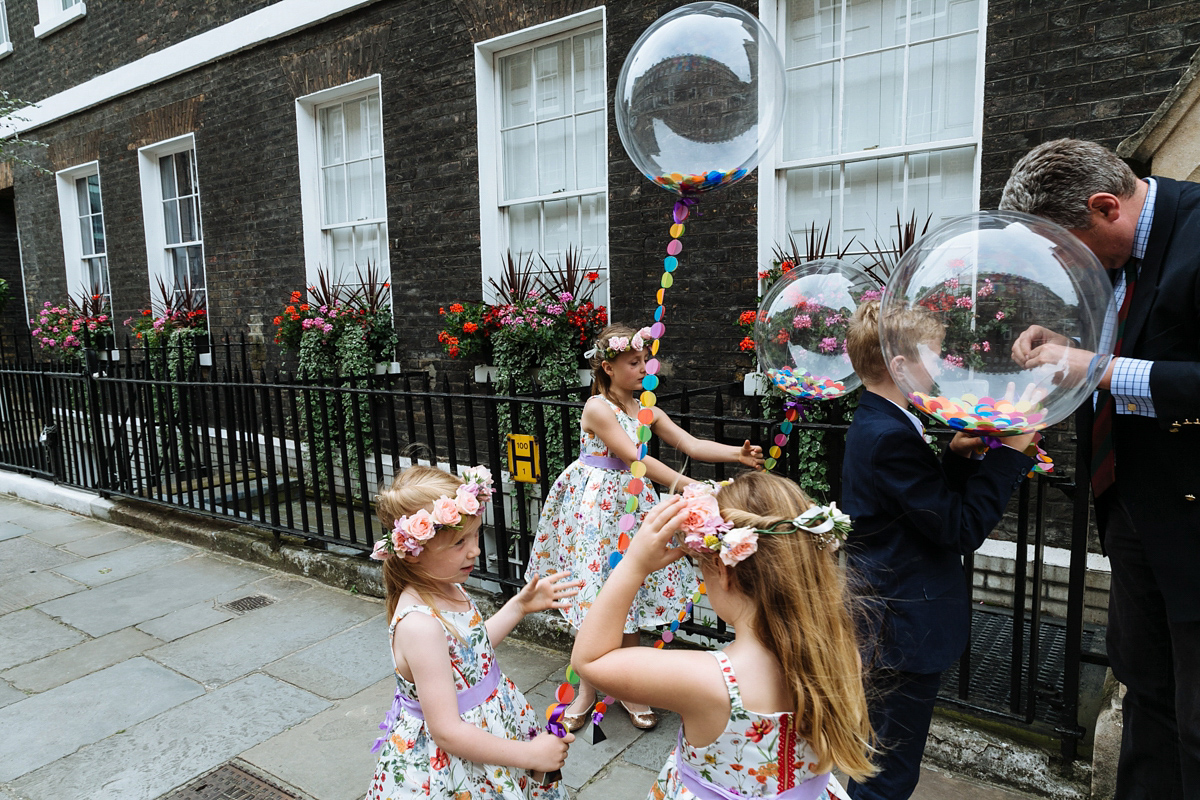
point(524, 458)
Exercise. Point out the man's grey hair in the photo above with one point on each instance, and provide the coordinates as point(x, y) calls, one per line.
point(1055, 179)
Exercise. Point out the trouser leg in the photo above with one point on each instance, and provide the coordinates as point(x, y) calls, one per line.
point(900, 714)
point(1159, 662)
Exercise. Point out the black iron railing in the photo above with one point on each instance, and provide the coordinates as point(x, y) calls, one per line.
point(306, 458)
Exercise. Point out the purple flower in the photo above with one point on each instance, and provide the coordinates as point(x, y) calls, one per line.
point(802, 321)
point(963, 302)
point(871, 294)
point(953, 361)
point(834, 319)
point(829, 344)
point(565, 297)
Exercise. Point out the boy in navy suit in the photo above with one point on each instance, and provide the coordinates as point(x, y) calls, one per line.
point(915, 517)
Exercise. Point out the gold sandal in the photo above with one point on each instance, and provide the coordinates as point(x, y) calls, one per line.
point(574, 722)
point(645, 720)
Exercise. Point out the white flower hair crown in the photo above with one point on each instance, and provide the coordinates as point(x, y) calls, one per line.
point(615, 345)
point(409, 534)
point(705, 529)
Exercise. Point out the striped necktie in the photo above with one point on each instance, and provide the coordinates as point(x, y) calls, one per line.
point(1104, 471)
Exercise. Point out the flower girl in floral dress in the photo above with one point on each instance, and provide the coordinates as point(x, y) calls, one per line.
point(459, 728)
point(774, 712)
point(580, 520)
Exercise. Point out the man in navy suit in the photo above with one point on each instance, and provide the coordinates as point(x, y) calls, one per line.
point(1144, 466)
point(915, 517)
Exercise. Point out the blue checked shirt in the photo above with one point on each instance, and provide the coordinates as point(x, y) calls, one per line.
point(1131, 376)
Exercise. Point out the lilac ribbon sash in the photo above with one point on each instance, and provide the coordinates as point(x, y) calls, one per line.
point(471, 697)
point(603, 462)
point(705, 789)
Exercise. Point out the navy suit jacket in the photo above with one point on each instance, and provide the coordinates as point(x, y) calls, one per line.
point(1158, 460)
point(915, 517)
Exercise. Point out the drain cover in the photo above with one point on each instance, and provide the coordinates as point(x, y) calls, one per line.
point(228, 782)
point(244, 604)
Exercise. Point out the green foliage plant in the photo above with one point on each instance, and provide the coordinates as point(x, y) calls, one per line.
point(340, 332)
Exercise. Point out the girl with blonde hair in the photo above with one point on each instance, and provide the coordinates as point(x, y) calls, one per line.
point(580, 522)
point(782, 705)
point(458, 727)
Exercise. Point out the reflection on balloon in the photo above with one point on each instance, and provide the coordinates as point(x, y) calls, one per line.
point(700, 97)
point(800, 330)
point(957, 302)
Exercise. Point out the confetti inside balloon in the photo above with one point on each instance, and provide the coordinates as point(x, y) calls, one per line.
point(962, 295)
point(800, 330)
point(699, 99)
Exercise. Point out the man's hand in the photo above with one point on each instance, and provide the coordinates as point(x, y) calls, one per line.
point(1071, 363)
point(1032, 338)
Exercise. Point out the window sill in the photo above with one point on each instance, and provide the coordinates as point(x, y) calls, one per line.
point(5, 48)
point(58, 21)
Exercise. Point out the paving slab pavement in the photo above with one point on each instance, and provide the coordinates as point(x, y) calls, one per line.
point(124, 675)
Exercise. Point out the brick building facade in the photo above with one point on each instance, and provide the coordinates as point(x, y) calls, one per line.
point(1098, 71)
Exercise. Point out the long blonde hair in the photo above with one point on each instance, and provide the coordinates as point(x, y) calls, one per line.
point(802, 614)
point(411, 490)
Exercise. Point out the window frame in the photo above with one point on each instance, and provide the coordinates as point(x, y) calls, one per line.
point(52, 16)
point(312, 194)
point(493, 233)
point(772, 190)
point(68, 215)
point(6, 45)
point(154, 219)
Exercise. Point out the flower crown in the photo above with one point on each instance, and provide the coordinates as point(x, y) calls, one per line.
point(409, 534)
point(615, 345)
point(705, 529)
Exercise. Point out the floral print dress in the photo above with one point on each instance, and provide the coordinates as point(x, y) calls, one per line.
point(412, 765)
point(579, 529)
point(757, 755)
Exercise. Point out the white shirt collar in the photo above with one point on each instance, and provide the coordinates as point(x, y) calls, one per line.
point(916, 421)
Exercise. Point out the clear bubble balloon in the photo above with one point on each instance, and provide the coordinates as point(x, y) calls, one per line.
point(994, 323)
point(800, 331)
point(700, 97)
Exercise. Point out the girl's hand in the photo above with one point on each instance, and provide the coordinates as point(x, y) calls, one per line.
point(651, 548)
point(751, 455)
point(551, 591)
point(547, 752)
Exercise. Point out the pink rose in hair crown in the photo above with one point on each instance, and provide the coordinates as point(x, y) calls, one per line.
point(738, 545)
point(410, 533)
point(703, 515)
point(619, 343)
point(445, 511)
point(478, 481)
point(380, 552)
point(466, 501)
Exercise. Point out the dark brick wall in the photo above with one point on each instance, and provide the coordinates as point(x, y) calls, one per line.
point(1093, 71)
point(243, 113)
point(113, 33)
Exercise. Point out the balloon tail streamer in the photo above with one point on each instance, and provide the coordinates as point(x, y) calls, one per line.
point(633, 490)
point(793, 412)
